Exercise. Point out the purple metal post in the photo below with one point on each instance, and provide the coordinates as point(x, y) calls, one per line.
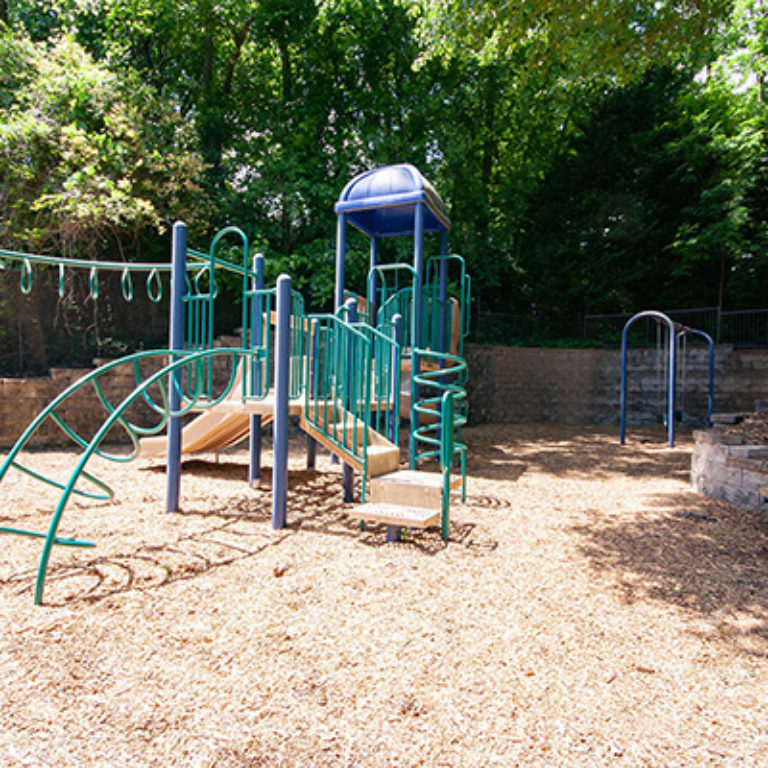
point(662, 318)
point(341, 248)
point(254, 438)
point(418, 265)
point(373, 282)
point(175, 344)
point(280, 423)
point(444, 337)
point(314, 362)
point(393, 531)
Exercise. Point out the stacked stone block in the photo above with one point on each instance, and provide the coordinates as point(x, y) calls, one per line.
point(724, 467)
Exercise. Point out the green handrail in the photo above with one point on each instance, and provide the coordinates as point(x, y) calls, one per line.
point(353, 372)
point(436, 310)
point(447, 451)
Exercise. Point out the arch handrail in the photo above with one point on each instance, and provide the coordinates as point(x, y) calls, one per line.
point(685, 330)
point(134, 431)
point(660, 317)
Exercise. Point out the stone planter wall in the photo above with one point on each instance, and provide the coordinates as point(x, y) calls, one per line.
point(724, 467)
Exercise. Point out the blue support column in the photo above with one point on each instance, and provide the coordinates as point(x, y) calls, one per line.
point(341, 249)
point(254, 440)
point(374, 282)
point(348, 474)
point(711, 390)
point(280, 423)
point(416, 314)
point(175, 344)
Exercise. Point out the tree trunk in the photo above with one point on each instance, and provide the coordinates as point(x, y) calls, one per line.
point(285, 60)
point(33, 357)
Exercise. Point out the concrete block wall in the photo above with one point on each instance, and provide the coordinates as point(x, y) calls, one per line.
point(506, 384)
point(582, 386)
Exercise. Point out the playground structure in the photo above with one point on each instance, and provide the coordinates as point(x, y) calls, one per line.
point(345, 375)
point(675, 338)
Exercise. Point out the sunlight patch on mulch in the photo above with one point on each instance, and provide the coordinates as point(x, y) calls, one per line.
point(574, 617)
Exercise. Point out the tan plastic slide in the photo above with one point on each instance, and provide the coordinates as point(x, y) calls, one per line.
point(220, 426)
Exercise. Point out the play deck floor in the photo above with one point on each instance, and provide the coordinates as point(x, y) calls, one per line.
point(583, 613)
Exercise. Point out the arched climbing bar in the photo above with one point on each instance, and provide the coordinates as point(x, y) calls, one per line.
point(662, 318)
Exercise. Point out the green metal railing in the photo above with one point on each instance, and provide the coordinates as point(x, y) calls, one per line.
point(396, 298)
point(448, 450)
point(384, 384)
point(339, 398)
point(353, 372)
point(437, 311)
point(258, 333)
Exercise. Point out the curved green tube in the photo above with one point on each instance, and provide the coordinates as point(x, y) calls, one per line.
point(101, 433)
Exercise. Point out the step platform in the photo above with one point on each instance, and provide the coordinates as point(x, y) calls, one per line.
point(394, 514)
point(410, 488)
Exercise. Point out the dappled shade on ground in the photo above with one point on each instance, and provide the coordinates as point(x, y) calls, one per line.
point(586, 608)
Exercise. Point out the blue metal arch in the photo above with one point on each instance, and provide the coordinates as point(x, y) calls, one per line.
point(675, 332)
point(711, 379)
point(660, 317)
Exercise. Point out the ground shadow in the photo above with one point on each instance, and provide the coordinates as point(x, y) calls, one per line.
point(505, 452)
point(237, 529)
point(702, 556)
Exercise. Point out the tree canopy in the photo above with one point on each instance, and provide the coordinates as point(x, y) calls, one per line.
point(594, 157)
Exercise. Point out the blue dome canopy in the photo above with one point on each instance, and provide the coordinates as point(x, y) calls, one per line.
point(382, 202)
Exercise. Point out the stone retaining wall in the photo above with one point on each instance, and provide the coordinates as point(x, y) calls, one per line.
point(582, 386)
point(512, 385)
point(22, 399)
point(724, 467)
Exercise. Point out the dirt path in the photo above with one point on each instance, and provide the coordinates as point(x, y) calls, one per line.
point(574, 618)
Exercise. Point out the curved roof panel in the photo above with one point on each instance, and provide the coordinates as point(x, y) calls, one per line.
point(382, 202)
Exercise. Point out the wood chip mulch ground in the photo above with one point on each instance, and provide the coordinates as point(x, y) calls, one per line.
point(753, 428)
point(589, 609)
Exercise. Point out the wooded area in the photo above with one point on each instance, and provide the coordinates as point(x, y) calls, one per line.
point(596, 157)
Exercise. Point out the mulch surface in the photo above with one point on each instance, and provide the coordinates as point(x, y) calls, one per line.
point(589, 609)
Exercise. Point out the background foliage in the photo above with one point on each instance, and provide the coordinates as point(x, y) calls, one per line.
point(596, 157)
